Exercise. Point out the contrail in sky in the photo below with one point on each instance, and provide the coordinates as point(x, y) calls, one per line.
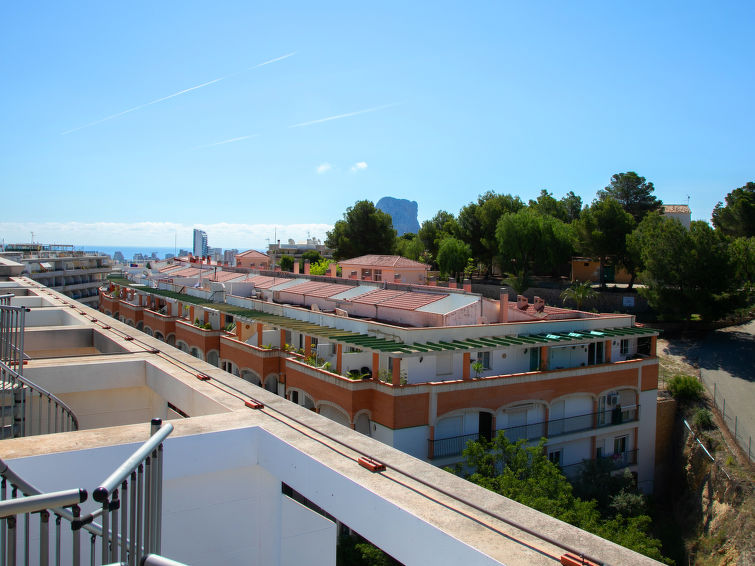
point(180, 92)
point(227, 141)
point(347, 115)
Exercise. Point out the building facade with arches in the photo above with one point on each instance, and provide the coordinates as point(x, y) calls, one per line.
point(585, 382)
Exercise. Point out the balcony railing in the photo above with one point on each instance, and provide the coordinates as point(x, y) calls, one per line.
point(453, 446)
point(131, 523)
point(615, 461)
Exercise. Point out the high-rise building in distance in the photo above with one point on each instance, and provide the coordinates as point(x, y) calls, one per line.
point(200, 243)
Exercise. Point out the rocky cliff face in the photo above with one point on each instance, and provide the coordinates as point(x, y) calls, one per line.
point(403, 213)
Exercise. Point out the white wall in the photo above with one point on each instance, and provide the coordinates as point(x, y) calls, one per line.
point(646, 440)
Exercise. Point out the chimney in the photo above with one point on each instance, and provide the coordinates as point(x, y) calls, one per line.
point(467, 284)
point(451, 283)
point(503, 311)
point(306, 267)
point(333, 269)
point(539, 304)
point(433, 281)
point(296, 266)
point(522, 302)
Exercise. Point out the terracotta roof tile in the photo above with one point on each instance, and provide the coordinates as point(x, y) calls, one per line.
point(252, 253)
point(373, 260)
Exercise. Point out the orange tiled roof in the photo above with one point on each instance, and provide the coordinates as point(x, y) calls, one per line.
point(676, 208)
point(374, 260)
point(252, 253)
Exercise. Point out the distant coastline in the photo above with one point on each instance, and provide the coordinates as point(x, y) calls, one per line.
point(129, 251)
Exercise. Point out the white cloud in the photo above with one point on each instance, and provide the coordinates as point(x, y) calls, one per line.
point(347, 115)
point(359, 166)
point(227, 141)
point(324, 168)
point(161, 234)
point(179, 93)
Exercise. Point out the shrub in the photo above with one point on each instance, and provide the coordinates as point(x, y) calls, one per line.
point(703, 419)
point(685, 387)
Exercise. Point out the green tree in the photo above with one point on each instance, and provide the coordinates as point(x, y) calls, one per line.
point(547, 205)
point(286, 263)
point(452, 255)
point(434, 230)
point(602, 229)
point(525, 474)
point(634, 193)
point(579, 293)
point(478, 223)
point(742, 254)
point(527, 239)
point(411, 247)
point(737, 218)
point(573, 205)
point(322, 267)
point(312, 255)
point(364, 230)
point(685, 271)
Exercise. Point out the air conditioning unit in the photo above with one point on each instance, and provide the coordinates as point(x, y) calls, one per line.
point(613, 399)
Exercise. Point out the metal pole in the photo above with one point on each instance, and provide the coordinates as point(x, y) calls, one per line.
point(11, 541)
point(159, 495)
point(147, 505)
point(105, 530)
point(139, 513)
point(114, 528)
point(58, 519)
point(132, 522)
point(76, 536)
point(44, 538)
point(124, 521)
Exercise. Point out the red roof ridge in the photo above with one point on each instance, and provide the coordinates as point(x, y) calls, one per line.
point(384, 260)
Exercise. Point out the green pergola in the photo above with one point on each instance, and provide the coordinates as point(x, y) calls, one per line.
point(383, 345)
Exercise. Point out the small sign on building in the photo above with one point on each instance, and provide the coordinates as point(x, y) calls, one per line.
point(628, 301)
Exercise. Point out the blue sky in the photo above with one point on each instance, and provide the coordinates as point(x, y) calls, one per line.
point(435, 102)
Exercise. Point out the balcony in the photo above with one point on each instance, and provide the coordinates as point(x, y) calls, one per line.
point(453, 446)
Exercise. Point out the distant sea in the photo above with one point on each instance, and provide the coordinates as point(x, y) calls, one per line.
point(129, 251)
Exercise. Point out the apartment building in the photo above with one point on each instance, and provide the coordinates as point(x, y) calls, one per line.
point(77, 274)
point(241, 474)
point(424, 369)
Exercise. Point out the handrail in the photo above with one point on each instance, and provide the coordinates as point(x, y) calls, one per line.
point(30, 490)
point(36, 503)
point(131, 499)
point(9, 380)
point(119, 475)
point(137, 501)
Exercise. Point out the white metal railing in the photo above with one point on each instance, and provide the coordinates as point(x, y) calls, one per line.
point(12, 508)
point(140, 510)
point(26, 409)
point(131, 499)
point(12, 323)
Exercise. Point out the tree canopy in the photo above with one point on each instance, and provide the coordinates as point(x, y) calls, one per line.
point(737, 217)
point(478, 223)
point(525, 474)
point(526, 238)
point(634, 193)
point(364, 229)
point(453, 255)
point(602, 230)
point(685, 271)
